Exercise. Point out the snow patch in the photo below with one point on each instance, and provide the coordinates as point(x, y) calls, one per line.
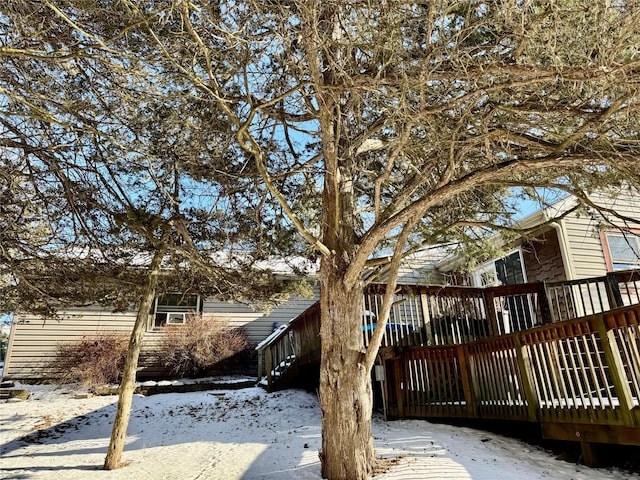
point(245, 434)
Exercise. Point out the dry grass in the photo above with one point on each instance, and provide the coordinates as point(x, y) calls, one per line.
point(383, 465)
point(198, 346)
point(91, 361)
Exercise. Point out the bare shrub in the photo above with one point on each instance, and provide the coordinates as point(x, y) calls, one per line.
point(91, 361)
point(196, 347)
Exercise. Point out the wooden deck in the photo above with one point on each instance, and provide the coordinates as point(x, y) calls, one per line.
point(565, 355)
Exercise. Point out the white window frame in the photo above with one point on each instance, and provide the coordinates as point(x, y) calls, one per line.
point(176, 318)
point(484, 271)
point(175, 315)
point(490, 268)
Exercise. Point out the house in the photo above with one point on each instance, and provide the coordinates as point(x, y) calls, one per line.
point(33, 339)
point(566, 244)
point(562, 245)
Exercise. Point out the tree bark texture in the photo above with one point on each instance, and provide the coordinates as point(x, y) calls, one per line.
point(113, 459)
point(345, 383)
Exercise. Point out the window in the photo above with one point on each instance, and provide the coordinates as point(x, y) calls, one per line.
point(504, 271)
point(621, 250)
point(509, 269)
point(485, 276)
point(514, 311)
point(173, 308)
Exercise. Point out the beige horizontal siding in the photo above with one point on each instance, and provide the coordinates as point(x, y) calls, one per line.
point(587, 256)
point(258, 325)
point(411, 276)
point(416, 269)
point(34, 339)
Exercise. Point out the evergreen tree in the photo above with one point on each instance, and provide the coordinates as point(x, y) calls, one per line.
point(367, 127)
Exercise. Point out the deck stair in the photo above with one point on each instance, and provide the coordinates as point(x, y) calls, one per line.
point(290, 351)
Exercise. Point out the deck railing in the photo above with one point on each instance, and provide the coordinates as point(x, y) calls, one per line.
point(578, 298)
point(297, 342)
point(565, 354)
point(625, 287)
point(451, 315)
point(580, 371)
point(445, 315)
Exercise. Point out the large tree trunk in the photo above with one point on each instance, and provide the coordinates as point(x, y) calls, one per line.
point(345, 383)
point(113, 459)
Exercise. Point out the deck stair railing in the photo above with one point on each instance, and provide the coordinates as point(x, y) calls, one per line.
point(289, 347)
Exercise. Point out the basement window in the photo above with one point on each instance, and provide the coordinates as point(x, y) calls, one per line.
point(174, 308)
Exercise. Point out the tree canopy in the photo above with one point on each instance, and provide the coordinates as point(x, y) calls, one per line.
point(102, 157)
point(363, 126)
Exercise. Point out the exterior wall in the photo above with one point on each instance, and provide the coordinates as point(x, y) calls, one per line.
point(418, 276)
point(542, 258)
point(587, 256)
point(582, 232)
point(419, 268)
point(256, 324)
point(579, 239)
point(33, 340)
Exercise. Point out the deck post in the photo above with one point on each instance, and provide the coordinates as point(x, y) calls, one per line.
point(526, 376)
point(398, 362)
point(589, 454)
point(613, 291)
point(545, 308)
point(268, 365)
point(468, 380)
point(424, 303)
point(492, 318)
point(616, 369)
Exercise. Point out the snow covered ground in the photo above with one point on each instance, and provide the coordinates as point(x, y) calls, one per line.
point(243, 434)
